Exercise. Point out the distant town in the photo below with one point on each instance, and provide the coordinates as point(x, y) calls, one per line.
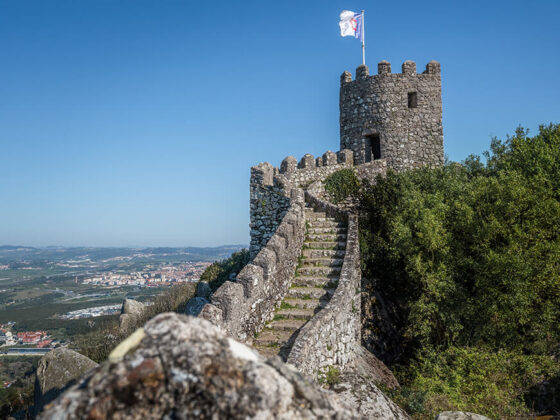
point(37, 339)
point(161, 276)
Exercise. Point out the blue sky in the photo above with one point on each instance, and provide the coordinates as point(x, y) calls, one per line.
point(135, 122)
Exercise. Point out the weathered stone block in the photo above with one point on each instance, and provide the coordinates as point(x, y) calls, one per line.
point(251, 277)
point(329, 158)
point(384, 67)
point(229, 298)
point(409, 68)
point(346, 156)
point(288, 165)
point(307, 162)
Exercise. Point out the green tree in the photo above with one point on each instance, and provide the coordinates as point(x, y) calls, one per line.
point(470, 256)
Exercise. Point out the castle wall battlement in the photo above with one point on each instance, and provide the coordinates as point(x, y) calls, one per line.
point(243, 307)
point(270, 187)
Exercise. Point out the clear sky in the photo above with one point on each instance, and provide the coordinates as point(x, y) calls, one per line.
point(135, 122)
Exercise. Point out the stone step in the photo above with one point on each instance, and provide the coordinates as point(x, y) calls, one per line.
point(307, 281)
point(310, 293)
point(324, 245)
point(296, 313)
point(270, 337)
point(321, 237)
point(271, 343)
point(318, 271)
point(267, 351)
point(306, 303)
point(313, 213)
point(322, 262)
point(312, 219)
point(325, 224)
point(287, 324)
point(321, 253)
point(331, 230)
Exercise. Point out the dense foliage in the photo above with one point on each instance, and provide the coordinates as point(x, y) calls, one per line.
point(20, 373)
point(342, 184)
point(220, 271)
point(470, 256)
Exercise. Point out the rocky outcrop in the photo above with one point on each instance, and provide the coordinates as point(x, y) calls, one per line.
point(185, 367)
point(131, 312)
point(460, 415)
point(195, 305)
point(203, 290)
point(357, 389)
point(58, 370)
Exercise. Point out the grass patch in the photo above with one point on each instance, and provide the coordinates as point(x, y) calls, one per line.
point(285, 305)
point(329, 376)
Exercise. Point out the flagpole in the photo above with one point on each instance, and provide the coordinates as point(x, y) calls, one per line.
point(363, 39)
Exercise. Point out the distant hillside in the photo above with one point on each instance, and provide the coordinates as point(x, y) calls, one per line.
point(11, 253)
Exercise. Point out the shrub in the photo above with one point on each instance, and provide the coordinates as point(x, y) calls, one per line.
point(342, 184)
point(220, 271)
point(329, 376)
point(493, 384)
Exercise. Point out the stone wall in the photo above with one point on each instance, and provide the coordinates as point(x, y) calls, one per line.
point(244, 306)
point(269, 204)
point(404, 111)
point(333, 335)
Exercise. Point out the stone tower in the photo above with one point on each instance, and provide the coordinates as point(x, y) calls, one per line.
point(393, 116)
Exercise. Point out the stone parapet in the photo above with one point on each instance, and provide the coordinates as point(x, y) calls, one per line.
point(243, 307)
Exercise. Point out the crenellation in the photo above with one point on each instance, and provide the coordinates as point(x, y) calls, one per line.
point(433, 67)
point(289, 165)
point(409, 68)
point(362, 72)
point(345, 77)
point(262, 174)
point(251, 276)
point(307, 161)
point(383, 68)
point(329, 158)
point(346, 157)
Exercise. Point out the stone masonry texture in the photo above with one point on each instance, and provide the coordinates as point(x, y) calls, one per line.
point(403, 110)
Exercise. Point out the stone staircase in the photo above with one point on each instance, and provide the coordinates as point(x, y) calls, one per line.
point(314, 283)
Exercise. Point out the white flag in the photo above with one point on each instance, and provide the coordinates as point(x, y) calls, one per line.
point(350, 24)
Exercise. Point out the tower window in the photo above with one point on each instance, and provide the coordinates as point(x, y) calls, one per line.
point(412, 99)
point(372, 148)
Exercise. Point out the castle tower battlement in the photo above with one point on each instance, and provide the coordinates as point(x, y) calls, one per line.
point(394, 116)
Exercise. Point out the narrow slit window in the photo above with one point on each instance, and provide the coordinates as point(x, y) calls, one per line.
point(376, 147)
point(412, 99)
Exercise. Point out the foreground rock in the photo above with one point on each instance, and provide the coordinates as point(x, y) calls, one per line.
point(357, 388)
point(185, 367)
point(460, 415)
point(58, 370)
point(131, 312)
